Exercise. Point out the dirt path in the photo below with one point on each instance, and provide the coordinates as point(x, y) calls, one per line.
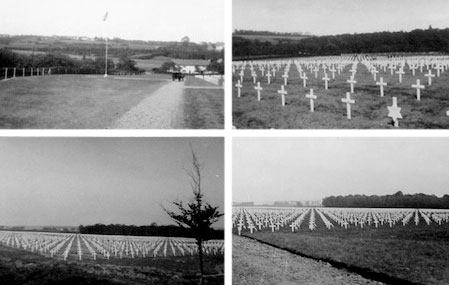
point(257, 263)
point(161, 110)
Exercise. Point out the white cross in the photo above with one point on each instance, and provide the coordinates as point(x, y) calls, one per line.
point(304, 79)
point(413, 67)
point(418, 87)
point(352, 82)
point(283, 93)
point(241, 75)
point(285, 76)
point(348, 102)
point(311, 97)
point(258, 88)
point(316, 71)
point(381, 83)
point(238, 85)
point(438, 68)
point(429, 75)
point(375, 72)
point(254, 77)
point(293, 226)
point(326, 79)
point(269, 77)
point(395, 112)
point(392, 67)
point(400, 72)
point(332, 69)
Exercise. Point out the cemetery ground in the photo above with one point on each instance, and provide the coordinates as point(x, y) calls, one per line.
point(19, 266)
point(95, 102)
point(369, 110)
point(410, 254)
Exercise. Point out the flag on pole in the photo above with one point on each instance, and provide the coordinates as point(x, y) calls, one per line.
point(105, 16)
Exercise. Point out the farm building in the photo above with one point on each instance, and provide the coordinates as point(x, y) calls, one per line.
point(191, 66)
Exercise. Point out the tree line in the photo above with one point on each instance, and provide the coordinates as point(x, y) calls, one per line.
point(267, 33)
point(62, 63)
point(151, 230)
point(397, 200)
point(417, 41)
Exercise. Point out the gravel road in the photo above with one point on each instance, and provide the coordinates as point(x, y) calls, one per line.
point(161, 110)
point(257, 263)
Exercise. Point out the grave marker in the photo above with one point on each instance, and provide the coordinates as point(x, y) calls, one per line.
point(429, 75)
point(381, 83)
point(352, 82)
point(258, 88)
point(312, 97)
point(418, 88)
point(348, 102)
point(283, 93)
point(238, 85)
point(326, 79)
point(394, 112)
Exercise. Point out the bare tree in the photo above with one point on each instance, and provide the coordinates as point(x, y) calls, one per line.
point(197, 216)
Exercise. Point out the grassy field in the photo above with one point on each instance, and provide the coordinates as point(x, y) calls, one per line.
point(369, 111)
point(203, 108)
point(71, 101)
point(23, 267)
point(418, 254)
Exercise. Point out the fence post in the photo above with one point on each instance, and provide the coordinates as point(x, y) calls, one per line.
point(6, 73)
point(23, 72)
point(14, 73)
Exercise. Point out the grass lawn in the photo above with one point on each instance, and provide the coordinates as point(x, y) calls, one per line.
point(19, 267)
point(71, 101)
point(203, 108)
point(369, 111)
point(418, 254)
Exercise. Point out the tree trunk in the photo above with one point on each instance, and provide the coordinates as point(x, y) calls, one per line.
point(200, 253)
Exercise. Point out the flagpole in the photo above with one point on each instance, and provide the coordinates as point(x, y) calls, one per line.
point(106, 60)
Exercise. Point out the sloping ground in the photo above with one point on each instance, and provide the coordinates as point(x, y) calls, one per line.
point(257, 263)
point(72, 101)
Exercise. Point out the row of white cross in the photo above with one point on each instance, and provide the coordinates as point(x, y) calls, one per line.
point(394, 110)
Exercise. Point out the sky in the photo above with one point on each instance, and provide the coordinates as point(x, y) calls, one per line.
point(330, 17)
point(292, 169)
point(201, 20)
point(74, 181)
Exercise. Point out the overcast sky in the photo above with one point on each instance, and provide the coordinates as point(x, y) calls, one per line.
point(73, 181)
point(201, 20)
point(290, 169)
point(329, 17)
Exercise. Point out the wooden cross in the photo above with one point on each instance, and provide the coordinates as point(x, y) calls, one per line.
point(311, 97)
point(238, 85)
point(381, 83)
point(400, 72)
point(429, 75)
point(283, 93)
point(258, 88)
point(348, 102)
point(352, 82)
point(326, 79)
point(418, 87)
point(394, 112)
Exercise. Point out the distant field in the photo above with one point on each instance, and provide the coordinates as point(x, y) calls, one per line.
point(369, 111)
point(71, 101)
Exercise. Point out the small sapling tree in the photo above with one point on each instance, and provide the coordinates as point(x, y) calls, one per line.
point(197, 216)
